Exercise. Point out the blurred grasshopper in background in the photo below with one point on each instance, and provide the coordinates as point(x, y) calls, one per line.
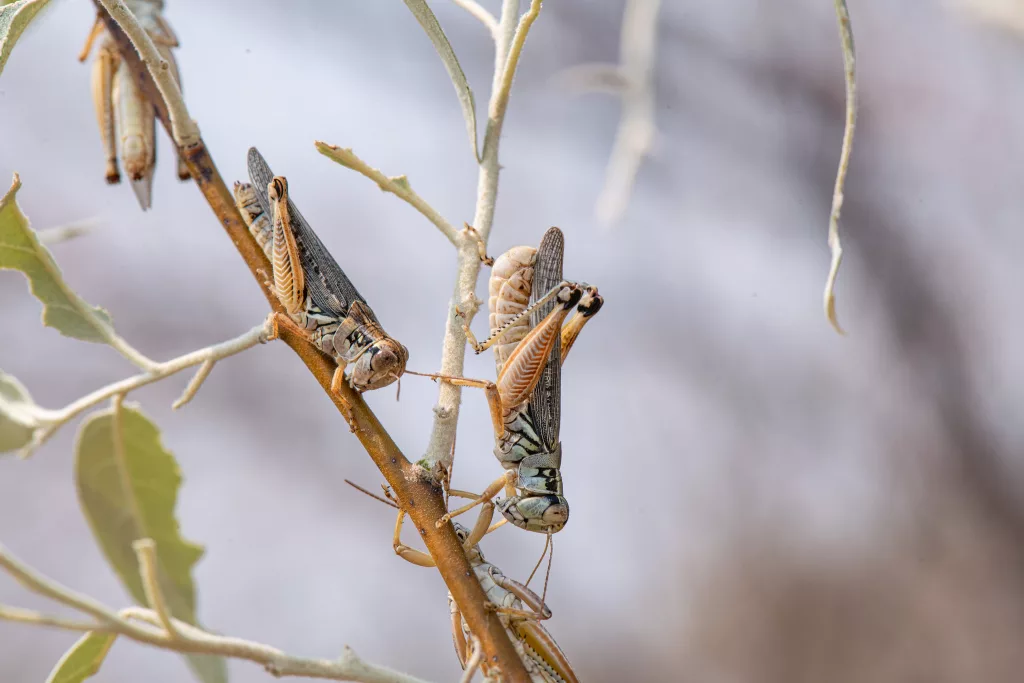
point(312, 287)
point(526, 401)
point(127, 121)
point(518, 607)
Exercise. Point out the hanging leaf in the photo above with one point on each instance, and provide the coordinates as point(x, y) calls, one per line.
point(83, 660)
point(19, 415)
point(14, 18)
point(421, 10)
point(63, 310)
point(128, 487)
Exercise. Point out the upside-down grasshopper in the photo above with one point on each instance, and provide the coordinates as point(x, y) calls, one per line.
point(311, 285)
point(518, 607)
point(127, 120)
point(525, 403)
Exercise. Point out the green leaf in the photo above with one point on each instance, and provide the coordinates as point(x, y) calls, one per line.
point(19, 415)
point(20, 249)
point(14, 18)
point(421, 10)
point(83, 660)
point(128, 487)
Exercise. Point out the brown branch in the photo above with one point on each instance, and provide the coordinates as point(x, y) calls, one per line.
point(417, 490)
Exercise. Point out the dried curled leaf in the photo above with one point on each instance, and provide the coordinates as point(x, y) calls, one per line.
point(19, 415)
point(425, 16)
point(83, 660)
point(14, 18)
point(128, 487)
point(63, 310)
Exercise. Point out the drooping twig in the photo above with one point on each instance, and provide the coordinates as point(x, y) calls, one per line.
point(416, 491)
point(849, 70)
point(158, 628)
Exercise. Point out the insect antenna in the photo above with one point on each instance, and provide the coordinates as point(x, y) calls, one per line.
point(547, 544)
point(371, 495)
point(547, 574)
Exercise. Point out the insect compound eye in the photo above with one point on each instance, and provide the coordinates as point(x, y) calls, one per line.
point(278, 188)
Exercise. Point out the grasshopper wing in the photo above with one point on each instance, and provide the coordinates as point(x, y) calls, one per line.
point(546, 399)
point(329, 287)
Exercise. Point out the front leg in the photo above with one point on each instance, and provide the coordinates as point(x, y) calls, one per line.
point(289, 278)
point(504, 483)
point(346, 408)
point(417, 557)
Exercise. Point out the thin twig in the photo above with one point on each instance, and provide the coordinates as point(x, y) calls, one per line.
point(414, 487)
point(183, 129)
point(52, 420)
point(508, 49)
point(31, 616)
point(396, 185)
point(849, 69)
point(172, 634)
point(481, 14)
point(145, 551)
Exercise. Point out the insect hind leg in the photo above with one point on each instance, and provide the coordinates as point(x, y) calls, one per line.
point(499, 334)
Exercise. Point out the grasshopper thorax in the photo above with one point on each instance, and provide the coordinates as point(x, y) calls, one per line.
point(379, 364)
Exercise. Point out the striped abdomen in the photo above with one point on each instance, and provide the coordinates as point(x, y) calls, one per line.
point(510, 286)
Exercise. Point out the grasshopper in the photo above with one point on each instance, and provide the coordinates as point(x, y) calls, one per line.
point(311, 286)
point(518, 607)
point(525, 403)
point(127, 120)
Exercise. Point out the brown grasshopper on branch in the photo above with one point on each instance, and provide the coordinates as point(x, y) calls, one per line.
point(312, 287)
point(525, 403)
point(127, 120)
point(518, 607)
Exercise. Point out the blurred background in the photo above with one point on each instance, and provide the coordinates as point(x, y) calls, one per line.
point(754, 498)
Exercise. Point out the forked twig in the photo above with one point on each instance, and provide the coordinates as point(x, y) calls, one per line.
point(512, 33)
point(49, 421)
